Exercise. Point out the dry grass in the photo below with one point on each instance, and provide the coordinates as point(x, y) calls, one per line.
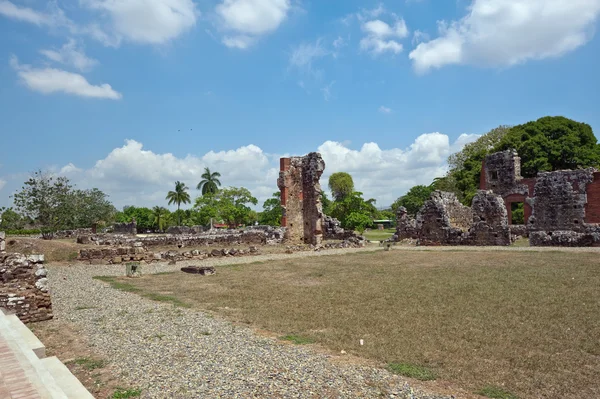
point(63, 250)
point(526, 323)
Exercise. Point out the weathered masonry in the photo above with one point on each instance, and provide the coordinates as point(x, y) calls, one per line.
point(301, 198)
point(561, 208)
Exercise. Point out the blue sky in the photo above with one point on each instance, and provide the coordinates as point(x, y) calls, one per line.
point(129, 96)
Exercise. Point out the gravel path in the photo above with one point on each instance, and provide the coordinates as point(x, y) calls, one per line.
point(174, 352)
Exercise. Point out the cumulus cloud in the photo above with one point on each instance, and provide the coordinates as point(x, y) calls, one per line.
point(50, 80)
point(385, 110)
point(246, 20)
point(72, 55)
point(382, 37)
point(509, 32)
point(133, 175)
point(303, 55)
point(145, 21)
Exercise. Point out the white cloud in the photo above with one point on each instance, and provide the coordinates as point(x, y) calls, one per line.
point(72, 55)
point(50, 80)
point(132, 175)
point(146, 21)
point(303, 55)
point(339, 42)
point(509, 32)
point(381, 37)
point(385, 110)
point(327, 95)
point(53, 17)
point(250, 19)
point(419, 37)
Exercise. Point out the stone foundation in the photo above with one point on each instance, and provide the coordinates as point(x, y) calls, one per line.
point(125, 228)
point(24, 287)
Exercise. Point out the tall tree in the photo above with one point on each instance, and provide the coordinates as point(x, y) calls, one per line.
point(160, 215)
point(210, 182)
point(341, 185)
point(179, 196)
point(272, 212)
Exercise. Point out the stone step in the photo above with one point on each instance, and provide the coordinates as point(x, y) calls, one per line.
point(28, 337)
point(69, 384)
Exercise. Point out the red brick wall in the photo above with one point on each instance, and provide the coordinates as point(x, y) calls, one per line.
point(284, 164)
point(592, 208)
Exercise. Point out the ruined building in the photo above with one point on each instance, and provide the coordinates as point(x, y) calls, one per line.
point(561, 208)
point(301, 198)
point(443, 220)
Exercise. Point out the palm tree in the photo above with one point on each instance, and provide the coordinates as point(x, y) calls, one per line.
point(160, 216)
point(210, 182)
point(178, 197)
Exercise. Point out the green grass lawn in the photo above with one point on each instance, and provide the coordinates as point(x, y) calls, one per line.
point(379, 235)
point(528, 322)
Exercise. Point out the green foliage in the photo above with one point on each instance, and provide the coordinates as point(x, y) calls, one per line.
point(414, 199)
point(272, 211)
point(341, 185)
point(358, 221)
point(179, 196)
point(122, 393)
point(10, 220)
point(144, 217)
point(52, 203)
point(412, 371)
point(353, 203)
point(229, 205)
point(552, 143)
point(210, 182)
point(90, 364)
point(161, 215)
point(23, 232)
point(496, 393)
point(518, 213)
point(326, 203)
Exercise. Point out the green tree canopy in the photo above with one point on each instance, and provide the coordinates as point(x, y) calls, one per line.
point(414, 199)
point(341, 185)
point(552, 143)
point(353, 203)
point(11, 220)
point(229, 205)
point(52, 203)
point(143, 216)
point(272, 211)
point(179, 196)
point(160, 215)
point(210, 182)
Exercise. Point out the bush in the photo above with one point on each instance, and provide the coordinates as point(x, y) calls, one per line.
point(23, 232)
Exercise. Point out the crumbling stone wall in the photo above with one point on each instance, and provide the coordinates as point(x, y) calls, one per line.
point(125, 228)
point(301, 198)
point(332, 230)
point(24, 287)
point(443, 220)
point(559, 205)
point(490, 220)
point(185, 230)
point(2, 242)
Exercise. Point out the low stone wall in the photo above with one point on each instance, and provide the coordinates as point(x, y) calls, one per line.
point(24, 287)
point(140, 254)
point(332, 230)
point(72, 233)
point(518, 230)
point(215, 237)
point(589, 236)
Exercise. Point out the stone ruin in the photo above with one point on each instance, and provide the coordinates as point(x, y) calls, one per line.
point(303, 217)
point(561, 208)
point(301, 198)
point(2, 242)
point(443, 220)
point(24, 287)
point(125, 228)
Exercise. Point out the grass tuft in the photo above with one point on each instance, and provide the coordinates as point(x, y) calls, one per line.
point(90, 364)
point(297, 339)
point(496, 393)
point(412, 371)
point(121, 393)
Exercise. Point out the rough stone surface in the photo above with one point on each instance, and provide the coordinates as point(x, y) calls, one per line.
point(301, 198)
point(2, 241)
point(125, 228)
point(332, 230)
point(185, 230)
point(443, 220)
point(24, 287)
point(205, 271)
point(490, 220)
point(406, 226)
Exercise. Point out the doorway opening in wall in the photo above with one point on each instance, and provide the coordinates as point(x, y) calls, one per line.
point(518, 213)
